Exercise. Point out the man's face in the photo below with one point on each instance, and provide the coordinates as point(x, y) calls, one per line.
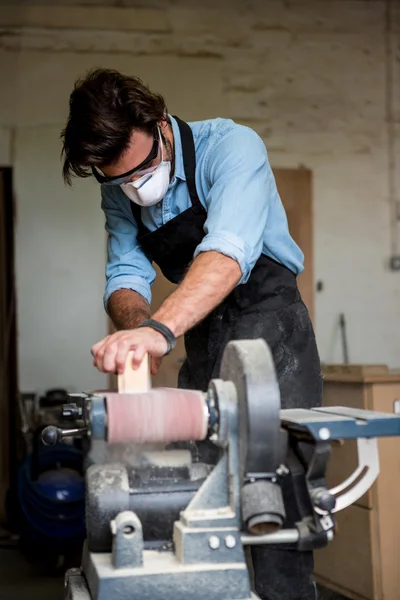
point(144, 151)
point(139, 149)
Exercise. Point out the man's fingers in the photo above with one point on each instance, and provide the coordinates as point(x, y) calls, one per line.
point(99, 355)
point(98, 351)
point(108, 362)
point(138, 355)
point(121, 355)
point(101, 344)
point(155, 364)
point(110, 354)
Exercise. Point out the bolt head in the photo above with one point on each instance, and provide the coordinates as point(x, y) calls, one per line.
point(326, 501)
point(324, 433)
point(230, 541)
point(282, 470)
point(213, 542)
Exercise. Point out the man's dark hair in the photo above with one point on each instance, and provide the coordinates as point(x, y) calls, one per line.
point(104, 108)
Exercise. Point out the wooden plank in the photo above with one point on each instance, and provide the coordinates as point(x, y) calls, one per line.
point(135, 380)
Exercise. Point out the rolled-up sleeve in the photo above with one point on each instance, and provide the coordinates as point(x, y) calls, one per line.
point(127, 265)
point(241, 188)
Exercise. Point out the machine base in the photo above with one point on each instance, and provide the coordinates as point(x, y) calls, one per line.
point(161, 576)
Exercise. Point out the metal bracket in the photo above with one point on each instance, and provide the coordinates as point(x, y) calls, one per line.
point(127, 548)
point(363, 477)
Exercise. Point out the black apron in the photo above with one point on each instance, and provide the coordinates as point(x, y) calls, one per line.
point(268, 306)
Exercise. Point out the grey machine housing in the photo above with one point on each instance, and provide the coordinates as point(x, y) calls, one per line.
point(168, 527)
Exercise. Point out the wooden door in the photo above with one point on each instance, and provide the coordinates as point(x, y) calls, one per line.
point(8, 360)
point(4, 465)
point(295, 190)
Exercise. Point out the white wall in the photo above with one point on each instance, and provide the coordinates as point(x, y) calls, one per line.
point(60, 238)
point(60, 251)
point(309, 76)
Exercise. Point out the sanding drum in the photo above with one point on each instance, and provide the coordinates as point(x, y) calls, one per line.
point(156, 416)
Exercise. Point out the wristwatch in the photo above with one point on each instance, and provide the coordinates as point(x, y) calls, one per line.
point(164, 330)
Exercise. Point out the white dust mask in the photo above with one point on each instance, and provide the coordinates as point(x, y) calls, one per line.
point(151, 187)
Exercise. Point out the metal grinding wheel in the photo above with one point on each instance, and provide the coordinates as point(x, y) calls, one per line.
point(249, 365)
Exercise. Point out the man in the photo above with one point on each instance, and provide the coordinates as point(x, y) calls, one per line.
point(199, 200)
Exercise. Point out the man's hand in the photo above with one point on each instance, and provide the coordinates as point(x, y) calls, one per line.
point(110, 354)
point(155, 363)
point(211, 277)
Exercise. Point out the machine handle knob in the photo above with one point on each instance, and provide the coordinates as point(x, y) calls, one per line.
point(51, 435)
point(323, 500)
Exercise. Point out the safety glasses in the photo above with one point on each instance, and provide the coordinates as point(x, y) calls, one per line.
point(125, 177)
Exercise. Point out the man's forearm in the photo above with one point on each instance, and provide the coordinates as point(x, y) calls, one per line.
point(127, 309)
point(211, 277)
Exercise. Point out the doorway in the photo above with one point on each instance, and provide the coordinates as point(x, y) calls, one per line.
point(8, 341)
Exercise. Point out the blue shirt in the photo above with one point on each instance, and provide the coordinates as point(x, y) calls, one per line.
point(236, 186)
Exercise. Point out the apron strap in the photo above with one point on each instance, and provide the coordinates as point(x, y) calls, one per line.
point(137, 215)
point(189, 165)
point(189, 159)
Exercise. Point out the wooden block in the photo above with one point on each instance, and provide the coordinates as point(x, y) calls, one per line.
point(138, 380)
point(353, 369)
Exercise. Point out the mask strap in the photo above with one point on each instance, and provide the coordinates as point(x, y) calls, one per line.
point(161, 142)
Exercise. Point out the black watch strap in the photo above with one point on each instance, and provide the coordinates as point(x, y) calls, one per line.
point(164, 330)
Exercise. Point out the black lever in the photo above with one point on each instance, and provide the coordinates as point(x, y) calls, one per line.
point(52, 435)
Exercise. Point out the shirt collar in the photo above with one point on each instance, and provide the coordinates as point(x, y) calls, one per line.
point(179, 168)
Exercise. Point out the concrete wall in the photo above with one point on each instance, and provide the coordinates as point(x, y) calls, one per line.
point(312, 77)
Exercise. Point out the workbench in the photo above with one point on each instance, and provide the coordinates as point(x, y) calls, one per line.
point(363, 561)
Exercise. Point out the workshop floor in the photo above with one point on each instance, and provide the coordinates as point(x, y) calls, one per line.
point(20, 581)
